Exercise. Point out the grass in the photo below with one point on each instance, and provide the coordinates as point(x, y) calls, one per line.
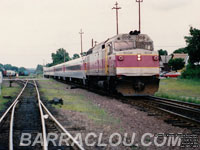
point(75, 102)
point(7, 91)
point(180, 89)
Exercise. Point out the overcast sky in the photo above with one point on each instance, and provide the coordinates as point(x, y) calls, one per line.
point(30, 30)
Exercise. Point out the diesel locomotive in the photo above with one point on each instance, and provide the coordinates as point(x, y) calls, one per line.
point(125, 63)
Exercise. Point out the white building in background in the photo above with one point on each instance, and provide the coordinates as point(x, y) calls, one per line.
point(164, 60)
point(185, 57)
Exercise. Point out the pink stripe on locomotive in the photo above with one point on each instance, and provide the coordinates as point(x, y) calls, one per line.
point(132, 61)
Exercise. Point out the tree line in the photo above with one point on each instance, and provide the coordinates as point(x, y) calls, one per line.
point(10, 67)
point(193, 48)
point(61, 56)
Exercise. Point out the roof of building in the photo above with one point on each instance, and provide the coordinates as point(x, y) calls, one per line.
point(183, 56)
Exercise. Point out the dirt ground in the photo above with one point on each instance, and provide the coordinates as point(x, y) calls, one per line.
point(85, 112)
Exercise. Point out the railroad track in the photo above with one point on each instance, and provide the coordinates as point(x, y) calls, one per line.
point(28, 114)
point(174, 101)
point(182, 114)
point(189, 112)
point(184, 110)
point(174, 112)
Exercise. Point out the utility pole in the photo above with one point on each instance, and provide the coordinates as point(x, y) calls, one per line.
point(117, 9)
point(81, 33)
point(92, 42)
point(139, 1)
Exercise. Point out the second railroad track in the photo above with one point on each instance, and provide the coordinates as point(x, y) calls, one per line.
point(28, 116)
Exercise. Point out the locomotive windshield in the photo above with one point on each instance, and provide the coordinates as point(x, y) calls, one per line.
point(145, 45)
point(124, 45)
point(127, 45)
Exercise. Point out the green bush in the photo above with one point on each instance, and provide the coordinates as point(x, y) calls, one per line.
point(177, 63)
point(191, 72)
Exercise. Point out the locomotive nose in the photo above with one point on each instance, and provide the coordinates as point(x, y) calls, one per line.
point(137, 64)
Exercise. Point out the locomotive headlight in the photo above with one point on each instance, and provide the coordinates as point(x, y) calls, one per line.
point(155, 58)
point(139, 58)
point(121, 58)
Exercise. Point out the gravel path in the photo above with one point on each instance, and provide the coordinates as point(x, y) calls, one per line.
point(130, 120)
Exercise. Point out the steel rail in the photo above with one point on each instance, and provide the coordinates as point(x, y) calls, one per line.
point(62, 128)
point(11, 127)
point(179, 115)
point(174, 101)
point(175, 105)
point(23, 81)
point(56, 121)
point(19, 81)
point(6, 112)
point(45, 145)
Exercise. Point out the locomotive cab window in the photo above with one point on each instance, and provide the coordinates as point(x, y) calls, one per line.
point(124, 45)
point(127, 45)
point(145, 45)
